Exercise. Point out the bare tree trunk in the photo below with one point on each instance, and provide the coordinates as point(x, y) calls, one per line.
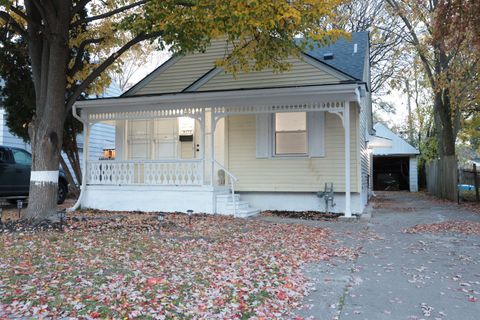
point(48, 49)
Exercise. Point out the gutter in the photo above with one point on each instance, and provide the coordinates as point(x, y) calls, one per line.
point(85, 155)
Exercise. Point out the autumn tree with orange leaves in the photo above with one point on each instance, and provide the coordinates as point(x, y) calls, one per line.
point(445, 37)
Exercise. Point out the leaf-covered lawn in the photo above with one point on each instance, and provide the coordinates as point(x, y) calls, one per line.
point(217, 268)
point(466, 227)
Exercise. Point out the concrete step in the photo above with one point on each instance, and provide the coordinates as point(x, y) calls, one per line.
point(225, 205)
point(238, 205)
point(227, 197)
point(250, 212)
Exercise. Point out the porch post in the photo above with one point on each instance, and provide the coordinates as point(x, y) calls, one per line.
point(346, 125)
point(212, 144)
point(202, 146)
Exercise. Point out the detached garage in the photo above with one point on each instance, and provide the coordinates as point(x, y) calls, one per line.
point(395, 167)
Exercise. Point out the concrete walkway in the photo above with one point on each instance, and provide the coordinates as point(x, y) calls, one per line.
point(399, 275)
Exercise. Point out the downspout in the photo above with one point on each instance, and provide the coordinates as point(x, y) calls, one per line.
point(85, 156)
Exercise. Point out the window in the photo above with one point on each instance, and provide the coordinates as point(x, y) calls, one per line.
point(291, 133)
point(22, 157)
point(4, 155)
point(153, 139)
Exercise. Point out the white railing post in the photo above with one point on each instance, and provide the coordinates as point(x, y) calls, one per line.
point(134, 172)
point(232, 179)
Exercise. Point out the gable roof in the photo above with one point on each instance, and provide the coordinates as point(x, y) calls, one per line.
point(193, 72)
point(399, 146)
point(345, 58)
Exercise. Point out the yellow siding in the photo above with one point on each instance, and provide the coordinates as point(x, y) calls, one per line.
point(287, 174)
point(191, 67)
point(185, 71)
point(301, 73)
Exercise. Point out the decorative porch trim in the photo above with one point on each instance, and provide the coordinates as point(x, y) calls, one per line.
point(192, 104)
point(172, 112)
point(331, 106)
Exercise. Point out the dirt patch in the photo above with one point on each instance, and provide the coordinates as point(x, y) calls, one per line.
point(305, 215)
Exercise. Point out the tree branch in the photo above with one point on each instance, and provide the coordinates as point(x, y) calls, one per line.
point(79, 57)
point(19, 13)
point(108, 14)
point(9, 19)
point(35, 48)
point(104, 65)
point(411, 30)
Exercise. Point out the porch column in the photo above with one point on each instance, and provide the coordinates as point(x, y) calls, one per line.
point(212, 144)
point(346, 125)
point(203, 146)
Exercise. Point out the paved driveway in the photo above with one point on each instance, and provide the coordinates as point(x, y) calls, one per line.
point(399, 275)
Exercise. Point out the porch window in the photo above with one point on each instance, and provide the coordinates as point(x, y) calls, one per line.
point(291, 133)
point(160, 139)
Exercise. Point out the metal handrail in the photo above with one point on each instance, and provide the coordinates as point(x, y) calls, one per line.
point(233, 179)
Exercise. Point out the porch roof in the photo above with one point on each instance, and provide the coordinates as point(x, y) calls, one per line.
point(285, 99)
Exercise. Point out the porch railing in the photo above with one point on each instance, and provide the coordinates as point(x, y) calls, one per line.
point(232, 179)
point(141, 172)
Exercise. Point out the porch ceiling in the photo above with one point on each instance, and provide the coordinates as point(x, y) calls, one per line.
point(192, 104)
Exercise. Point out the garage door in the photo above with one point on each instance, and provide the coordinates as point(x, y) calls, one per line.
point(390, 173)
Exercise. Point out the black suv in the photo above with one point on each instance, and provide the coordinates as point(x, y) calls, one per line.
point(15, 166)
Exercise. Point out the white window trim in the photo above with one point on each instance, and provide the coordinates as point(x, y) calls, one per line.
point(274, 140)
point(267, 128)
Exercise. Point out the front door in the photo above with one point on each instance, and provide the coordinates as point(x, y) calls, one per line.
point(165, 138)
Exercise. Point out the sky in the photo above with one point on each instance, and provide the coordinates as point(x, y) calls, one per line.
point(399, 101)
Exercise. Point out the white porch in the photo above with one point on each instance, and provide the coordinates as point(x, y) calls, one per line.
point(201, 180)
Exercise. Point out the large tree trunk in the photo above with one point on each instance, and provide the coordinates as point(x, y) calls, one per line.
point(48, 50)
point(46, 144)
point(443, 123)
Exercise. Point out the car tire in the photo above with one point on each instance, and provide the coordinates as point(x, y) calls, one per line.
point(62, 192)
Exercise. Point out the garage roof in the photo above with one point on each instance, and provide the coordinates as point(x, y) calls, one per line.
point(399, 146)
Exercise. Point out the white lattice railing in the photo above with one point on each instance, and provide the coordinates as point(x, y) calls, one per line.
point(164, 173)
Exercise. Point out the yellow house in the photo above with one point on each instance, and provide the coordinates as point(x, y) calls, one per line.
point(191, 137)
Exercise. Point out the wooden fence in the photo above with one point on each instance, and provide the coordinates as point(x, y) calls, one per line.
point(442, 177)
